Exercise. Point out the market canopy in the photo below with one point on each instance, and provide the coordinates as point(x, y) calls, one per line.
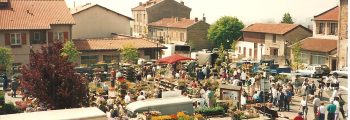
point(173, 58)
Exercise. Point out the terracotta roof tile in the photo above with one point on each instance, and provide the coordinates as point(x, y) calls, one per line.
point(114, 44)
point(318, 44)
point(35, 14)
point(280, 28)
point(87, 6)
point(149, 3)
point(331, 14)
point(171, 22)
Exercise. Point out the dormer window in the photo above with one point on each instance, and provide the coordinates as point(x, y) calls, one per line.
point(333, 27)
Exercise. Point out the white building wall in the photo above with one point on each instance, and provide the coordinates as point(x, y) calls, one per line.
point(249, 45)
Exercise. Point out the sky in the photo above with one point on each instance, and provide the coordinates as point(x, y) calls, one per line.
point(248, 11)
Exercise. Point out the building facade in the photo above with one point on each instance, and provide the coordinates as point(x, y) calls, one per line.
point(343, 34)
point(107, 50)
point(154, 10)
point(96, 21)
point(270, 41)
point(23, 28)
point(321, 48)
point(181, 31)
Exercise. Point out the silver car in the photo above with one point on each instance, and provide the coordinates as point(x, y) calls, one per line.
point(342, 72)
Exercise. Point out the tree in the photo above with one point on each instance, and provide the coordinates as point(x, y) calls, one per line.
point(287, 19)
point(70, 51)
point(51, 78)
point(234, 45)
point(5, 59)
point(221, 52)
point(296, 49)
point(225, 31)
point(129, 53)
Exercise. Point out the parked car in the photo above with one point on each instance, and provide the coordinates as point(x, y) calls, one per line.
point(342, 72)
point(325, 69)
point(311, 71)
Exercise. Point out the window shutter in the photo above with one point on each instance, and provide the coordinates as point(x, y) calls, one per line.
point(24, 38)
point(65, 36)
point(7, 39)
point(50, 37)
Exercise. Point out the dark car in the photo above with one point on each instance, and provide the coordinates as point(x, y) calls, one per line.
point(325, 69)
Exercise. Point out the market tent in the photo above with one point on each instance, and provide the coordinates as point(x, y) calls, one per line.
point(173, 58)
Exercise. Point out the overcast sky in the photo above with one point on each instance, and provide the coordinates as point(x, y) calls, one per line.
point(248, 11)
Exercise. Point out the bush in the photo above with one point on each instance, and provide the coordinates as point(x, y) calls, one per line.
point(218, 110)
point(9, 108)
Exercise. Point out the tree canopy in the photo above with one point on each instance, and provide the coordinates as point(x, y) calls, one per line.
point(70, 51)
point(225, 31)
point(287, 19)
point(129, 53)
point(51, 78)
point(296, 49)
point(5, 59)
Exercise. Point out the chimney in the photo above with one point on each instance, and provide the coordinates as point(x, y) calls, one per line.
point(204, 19)
point(140, 3)
point(196, 19)
point(182, 2)
point(176, 19)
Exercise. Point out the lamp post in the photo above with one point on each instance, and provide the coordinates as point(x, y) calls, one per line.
point(228, 56)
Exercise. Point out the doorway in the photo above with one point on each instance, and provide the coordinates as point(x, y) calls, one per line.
point(334, 64)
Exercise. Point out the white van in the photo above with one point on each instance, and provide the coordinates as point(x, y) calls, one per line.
point(165, 106)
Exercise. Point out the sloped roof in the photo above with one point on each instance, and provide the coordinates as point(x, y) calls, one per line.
point(173, 22)
point(280, 28)
point(149, 3)
point(114, 44)
point(331, 14)
point(318, 44)
point(35, 14)
point(89, 5)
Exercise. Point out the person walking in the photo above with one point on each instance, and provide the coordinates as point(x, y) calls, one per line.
point(337, 110)
point(312, 88)
point(303, 106)
point(316, 103)
point(281, 100)
point(287, 100)
point(331, 108)
point(322, 111)
point(14, 86)
point(341, 104)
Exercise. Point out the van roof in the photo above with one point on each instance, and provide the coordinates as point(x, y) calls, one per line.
point(157, 102)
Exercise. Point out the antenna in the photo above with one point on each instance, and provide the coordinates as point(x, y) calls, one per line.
point(74, 4)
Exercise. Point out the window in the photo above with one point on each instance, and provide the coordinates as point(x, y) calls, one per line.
point(182, 37)
point(333, 28)
point(318, 59)
point(107, 58)
point(274, 38)
point(15, 39)
point(255, 45)
point(36, 36)
point(250, 52)
point(88, 60)
point(321, 28)
point(304, 58)
point(274, 51)
point(239, 49)
point(58, 36)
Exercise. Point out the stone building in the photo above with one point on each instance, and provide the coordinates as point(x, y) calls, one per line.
point(181, 31)
point(270, 41)
point(30, 24)
point(154, 10)
point(96, 21)
point(343, 34)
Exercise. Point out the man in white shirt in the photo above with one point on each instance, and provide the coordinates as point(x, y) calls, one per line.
point(337, 110)
point(303, 105)
point(316, 103)
point(141, 96)
point(127, 98)
point(243, 77)
point(274, 96)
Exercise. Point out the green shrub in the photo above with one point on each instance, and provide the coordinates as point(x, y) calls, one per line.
point(9, 108)
point(218, 110)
